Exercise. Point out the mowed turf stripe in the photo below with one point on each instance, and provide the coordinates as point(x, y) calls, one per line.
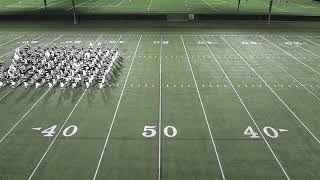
point(204, 111)
point(247, 110)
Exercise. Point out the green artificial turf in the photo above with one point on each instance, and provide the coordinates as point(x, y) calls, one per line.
point(215, 83)
point(292, 7)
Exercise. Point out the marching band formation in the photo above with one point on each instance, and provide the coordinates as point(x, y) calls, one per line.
point(61, 66)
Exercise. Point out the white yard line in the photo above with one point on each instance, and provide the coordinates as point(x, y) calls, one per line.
point(11, 40)
point(6, 94)
point(210, 5)
point(17, 123)
point(305, 87)
point(203, 110)
point(19, 47)
point(120, 3)
point(115, 113)
point(48, 5)
point(273, 92)
point(290, 55)
point(52, 142)
point(302, 48)
point(310, 41)
point(149, 5)
point(79, 5)
point(248, 112)
point(160, 112)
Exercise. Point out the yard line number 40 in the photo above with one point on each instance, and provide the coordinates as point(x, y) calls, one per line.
point(150, 131)
point(268, 131)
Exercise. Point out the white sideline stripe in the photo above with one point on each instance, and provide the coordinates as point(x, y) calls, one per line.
point(52, 142)
point(149, 5)
point(48, 5)
point(303, 48)
point(116, 111)
point(120, 3)
point(275, 93)
point(11, 40)
point(287, 73)
point(160, 112)
point(310, 41)
point(210, 5)
point(290, 55)
point(20, 47)
point(6, 94)
point(17, 123)
point(203, 110)
point(245, 107)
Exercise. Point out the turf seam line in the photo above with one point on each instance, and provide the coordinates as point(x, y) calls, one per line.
point(115, 113)
point(246, 109)
point(276, 95)
point(302, 48)
point(22, 118)
point(160, 113)
point(203, 110)
point(290, 55)
point(274, 62)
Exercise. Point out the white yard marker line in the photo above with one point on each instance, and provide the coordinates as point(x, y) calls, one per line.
point(149, 5)
point(160, 112)
point(120, 3)
point(48, 5)
point(274, 92)
point(6, 94)
point(290, 55)
point(79, 4)
point(115, 113)
point(274, 62)
point(210, 5)
point(203, 110)
point(11, 40)
point(20, 47)
point(52, 142)
point(17, 123)
point(248, 112)
point(310, 41)
point(303, 48)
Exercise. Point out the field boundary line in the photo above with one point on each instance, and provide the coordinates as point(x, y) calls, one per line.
point(52, 142)
point(277, 64)
point(149, 5)
point(203, 110)
point(290, 55)
point(212, 7)
point(160, 112)
point(6, 94)
point(303, 48)
point(309, 40)
point(22, 118)
point(79, 5)
point(11, 40)
point(116, 111)
point(247, 110)
point(294, 114)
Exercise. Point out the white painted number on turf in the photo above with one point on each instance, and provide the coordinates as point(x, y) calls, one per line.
point(292, 43)
point(70, 131)
point(150, 131)
point(268, 131)
point(67, 132)
point(250, 132)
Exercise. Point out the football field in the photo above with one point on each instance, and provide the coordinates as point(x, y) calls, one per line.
point(181, 106)
point(292, 7)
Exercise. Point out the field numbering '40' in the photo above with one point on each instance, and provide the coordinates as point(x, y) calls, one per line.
point(67, 132)
point(268, 131)
point(150, 131)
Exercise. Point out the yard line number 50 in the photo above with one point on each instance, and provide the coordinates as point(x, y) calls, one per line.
point(150, 131)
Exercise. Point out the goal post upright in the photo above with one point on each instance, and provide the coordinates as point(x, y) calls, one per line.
point(74, 13)
point(239, 1)
point(270, 9)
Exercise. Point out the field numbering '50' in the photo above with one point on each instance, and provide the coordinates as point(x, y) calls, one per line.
point(67, 132)
point(150, 131)
point(269, 131)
